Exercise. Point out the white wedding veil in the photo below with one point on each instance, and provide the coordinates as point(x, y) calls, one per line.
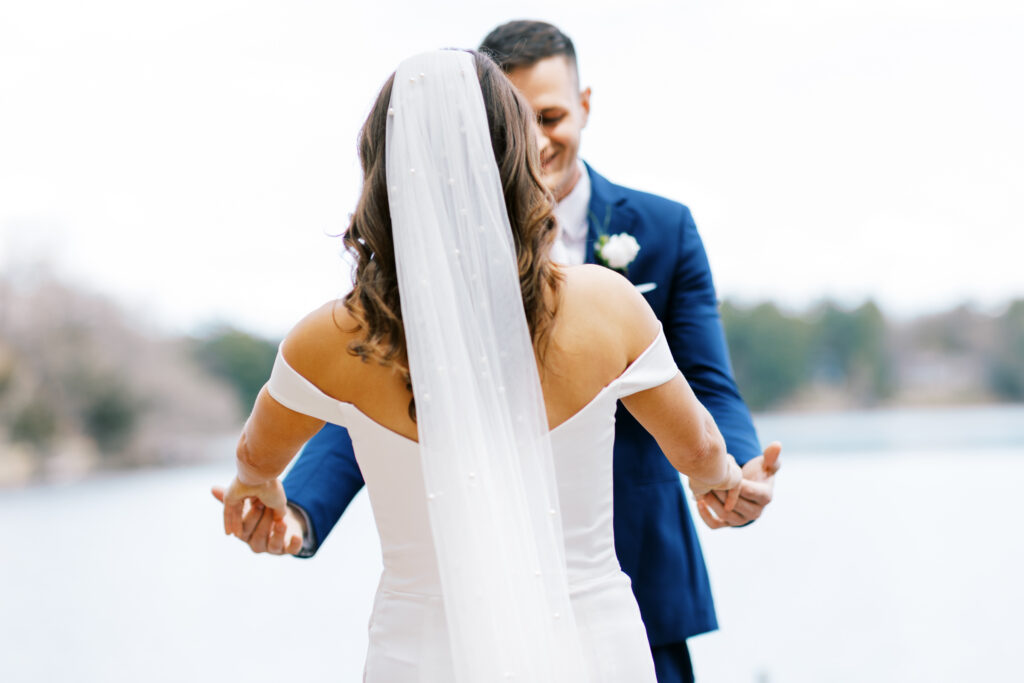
point(483, 431)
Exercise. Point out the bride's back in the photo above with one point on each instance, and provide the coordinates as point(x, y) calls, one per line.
point(603, 334)
point(601, 325)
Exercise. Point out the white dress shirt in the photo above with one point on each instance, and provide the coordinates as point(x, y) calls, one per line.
point(570, 246)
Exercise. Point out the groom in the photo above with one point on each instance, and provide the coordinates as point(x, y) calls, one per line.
point(655, 538)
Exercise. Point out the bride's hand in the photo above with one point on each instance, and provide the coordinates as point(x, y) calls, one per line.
point(755, 492)
point(269, 494)
point(730, 485)
point(263, 533)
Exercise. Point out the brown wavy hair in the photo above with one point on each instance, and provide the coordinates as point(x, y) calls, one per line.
point(374, 301)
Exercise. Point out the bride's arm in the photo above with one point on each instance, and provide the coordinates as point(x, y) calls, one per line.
point(687, 435)
point(273, 434)
point(684, 429)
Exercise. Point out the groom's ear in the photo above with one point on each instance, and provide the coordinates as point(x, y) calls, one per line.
point(585, 105)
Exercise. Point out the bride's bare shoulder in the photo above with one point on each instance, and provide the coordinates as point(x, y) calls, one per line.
point(312, 346)
point(600, 298)
point(595, 280)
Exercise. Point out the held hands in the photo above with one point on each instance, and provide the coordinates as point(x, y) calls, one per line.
point(260, 516)
point(729, 487)
point(746, 503)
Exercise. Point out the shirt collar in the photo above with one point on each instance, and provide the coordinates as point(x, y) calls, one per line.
point(571, 212)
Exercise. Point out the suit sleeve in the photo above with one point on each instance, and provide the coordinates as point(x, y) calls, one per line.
point(695, 335)
point(323, 481)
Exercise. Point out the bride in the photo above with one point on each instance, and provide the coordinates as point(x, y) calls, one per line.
point(478, 381)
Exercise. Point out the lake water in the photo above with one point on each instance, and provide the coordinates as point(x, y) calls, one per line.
point(892, 552)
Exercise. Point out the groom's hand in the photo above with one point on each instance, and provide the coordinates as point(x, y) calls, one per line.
point(263, 533)
point(755, 492)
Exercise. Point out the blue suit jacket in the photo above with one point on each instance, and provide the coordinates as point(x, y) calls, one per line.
point(654, 535)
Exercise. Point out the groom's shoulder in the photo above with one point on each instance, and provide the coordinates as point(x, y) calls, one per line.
point(651, 207)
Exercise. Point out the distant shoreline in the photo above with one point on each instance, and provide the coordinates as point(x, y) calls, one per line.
point(805, 429)
point(77, 461)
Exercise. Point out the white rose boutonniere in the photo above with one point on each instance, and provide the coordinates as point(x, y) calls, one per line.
point(617, 251)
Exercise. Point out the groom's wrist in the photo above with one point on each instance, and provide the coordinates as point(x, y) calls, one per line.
point(308, 536)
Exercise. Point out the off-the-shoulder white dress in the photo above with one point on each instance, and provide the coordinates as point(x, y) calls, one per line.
point(408, 637)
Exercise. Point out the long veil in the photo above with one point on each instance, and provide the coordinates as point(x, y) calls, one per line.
point(483, 431)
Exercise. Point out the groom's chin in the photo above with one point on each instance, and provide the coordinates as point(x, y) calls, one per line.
point(556, 179)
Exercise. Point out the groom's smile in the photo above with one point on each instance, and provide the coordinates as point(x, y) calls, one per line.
point(551, 86)
point(546, 159)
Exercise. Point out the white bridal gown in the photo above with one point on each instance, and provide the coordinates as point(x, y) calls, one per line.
point(408, 637)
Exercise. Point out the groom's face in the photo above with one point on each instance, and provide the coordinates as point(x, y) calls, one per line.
point(551, 86)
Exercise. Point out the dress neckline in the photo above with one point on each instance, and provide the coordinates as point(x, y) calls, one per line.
point(593, 401)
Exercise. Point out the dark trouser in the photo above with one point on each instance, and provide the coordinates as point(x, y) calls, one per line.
point(672, 663)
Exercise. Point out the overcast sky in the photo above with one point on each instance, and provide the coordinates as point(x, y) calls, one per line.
point(191, 158)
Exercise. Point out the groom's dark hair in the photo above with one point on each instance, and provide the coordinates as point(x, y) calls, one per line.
point(524, 43)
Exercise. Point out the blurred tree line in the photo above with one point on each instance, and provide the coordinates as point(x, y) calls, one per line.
point(83, 384)
point(1006, 370)
point(855, 357)
point(242, 360)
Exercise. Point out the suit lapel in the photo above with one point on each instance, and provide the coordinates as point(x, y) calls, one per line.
point(606, 213)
